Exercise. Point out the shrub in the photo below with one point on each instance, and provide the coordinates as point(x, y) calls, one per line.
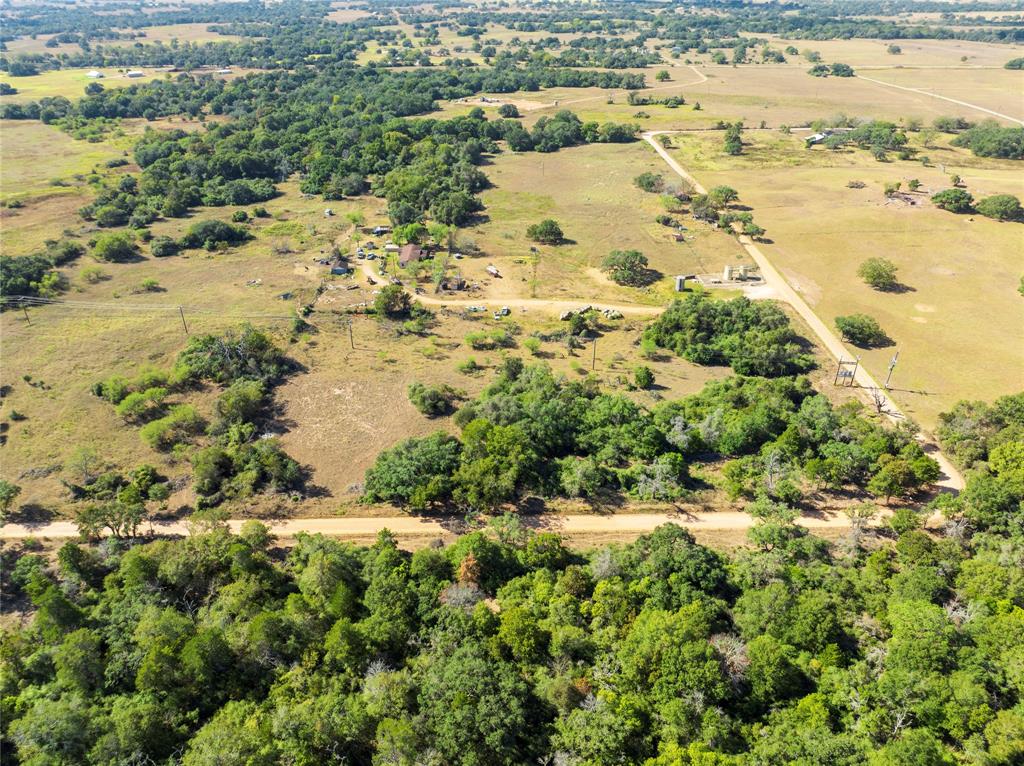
point(650, 182)
point(239, 216)
point(162, 247)
point(547, 232)
point(861, 330)
point(92, 275)
point(432, 401)
point(753, 338)
point(1002, 207)
point(180, 423)
point(508, 111)
point(643, 377)
point(416, 472)
point(246, 355)
point(392, 301)
point(954, 200)
point(115, 247)
point(211, 234)
point(880, 273)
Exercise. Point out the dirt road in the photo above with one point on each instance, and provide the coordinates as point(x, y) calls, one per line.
point(525, 304)
point(951, 479)
point(625, 523)
point(924, 92)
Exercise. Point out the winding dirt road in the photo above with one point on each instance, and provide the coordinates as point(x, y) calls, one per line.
point(951, 479)
point(413, 526)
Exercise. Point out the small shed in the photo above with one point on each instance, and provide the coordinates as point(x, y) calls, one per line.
point(133, 73)
point(409, 254)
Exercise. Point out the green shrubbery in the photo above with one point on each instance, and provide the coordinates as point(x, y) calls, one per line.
point(752, 338)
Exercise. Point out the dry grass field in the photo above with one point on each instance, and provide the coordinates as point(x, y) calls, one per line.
point(589, 190)
point(347, 404)
point(914, 53)
point(958, 323)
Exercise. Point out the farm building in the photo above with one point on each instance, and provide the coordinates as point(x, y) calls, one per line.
point(94, 74)
point(134, 73)
point(410, 254)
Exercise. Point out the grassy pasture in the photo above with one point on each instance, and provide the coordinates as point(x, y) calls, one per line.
point(925, 53)
point(589, 190)
point(1000, 90)
point(69, 83)
point(957, 325)
point(33, 154)
point(335, 416)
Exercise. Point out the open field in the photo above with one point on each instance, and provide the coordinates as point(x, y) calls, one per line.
point(589, 190)
point(820, 231)
point(70, 83)
point(999, 90)
point(33, 155)
point(347, 404)
point(872, 53)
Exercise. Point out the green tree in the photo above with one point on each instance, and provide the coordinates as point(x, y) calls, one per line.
point(392, 302)
point(626, 267)
point(880, 273)
point(1002, 207)
point(954, 200)
point(861, 330)
point(547, 232)
point(8, 494)
point(115, 247)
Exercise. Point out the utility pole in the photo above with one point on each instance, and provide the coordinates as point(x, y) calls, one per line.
point(892, 364)
point(25, 309)
point(181, 312)
point(351, 340)
point(593, 359)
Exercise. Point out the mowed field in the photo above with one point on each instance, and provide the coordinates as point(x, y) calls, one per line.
point(959, 321)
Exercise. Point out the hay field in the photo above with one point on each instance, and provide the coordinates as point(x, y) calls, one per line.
point(958, 324)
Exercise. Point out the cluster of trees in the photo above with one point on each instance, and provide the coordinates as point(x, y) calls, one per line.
point(507, 647)
point(833, 70)
point(235, 460)
point(989, 139)
point(533, 432)
point(987, 441)
point(1001, 207)
point(878, 136)
point(36, 274)
point(340, 128)
point(754, 338)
